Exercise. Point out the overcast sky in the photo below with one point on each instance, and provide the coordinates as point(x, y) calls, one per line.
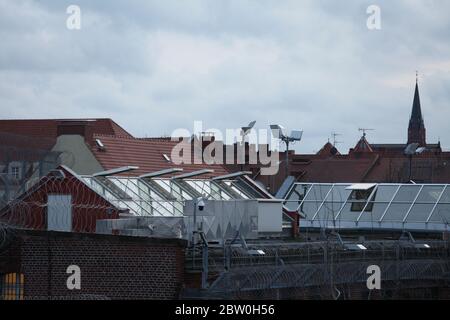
point(154, 66)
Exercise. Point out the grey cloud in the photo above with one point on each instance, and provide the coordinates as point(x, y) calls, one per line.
point(155, 66)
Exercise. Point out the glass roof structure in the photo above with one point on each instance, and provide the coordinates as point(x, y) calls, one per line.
point(369, 206)
point(144, 196)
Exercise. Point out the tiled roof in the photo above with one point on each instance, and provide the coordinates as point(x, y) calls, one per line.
point(47, 128)
point(121, 148)
point(362, 146)
point(147, 154)
point(337, 169)
point(328, 150)
point(397, 150)
point(21, 142)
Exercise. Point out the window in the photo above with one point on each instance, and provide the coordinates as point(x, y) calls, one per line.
point(359, 198)
point(11, 286)
point(59, 212)
point(15, 172)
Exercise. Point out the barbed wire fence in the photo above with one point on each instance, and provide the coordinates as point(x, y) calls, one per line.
point(325, 270)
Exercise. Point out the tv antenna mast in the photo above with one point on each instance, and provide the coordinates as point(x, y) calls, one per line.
point(335, 135)
point(364, 130)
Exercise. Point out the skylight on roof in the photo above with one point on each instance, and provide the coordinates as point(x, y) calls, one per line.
point(100, 144)
point(166, 157)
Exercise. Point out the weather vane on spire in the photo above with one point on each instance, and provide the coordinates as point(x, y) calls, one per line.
point(417, 76)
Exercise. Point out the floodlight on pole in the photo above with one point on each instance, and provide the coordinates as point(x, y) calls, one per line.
point(279, 133)
point(244, 132)
point(411, 149)
point(247, 129)
point(421, 150)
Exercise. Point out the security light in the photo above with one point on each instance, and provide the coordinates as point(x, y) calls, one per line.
point(248, 128)
point(245, 130)
point(411, 149)
point(296, 135)
point(422, 246)
point(412, 242)
point(277, 131)
point(354, 246)
point(421, 150)
point(200, 204)
point(256, 252)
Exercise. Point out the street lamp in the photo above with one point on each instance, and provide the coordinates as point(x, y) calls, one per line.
point(278, 132)
point(410, 150)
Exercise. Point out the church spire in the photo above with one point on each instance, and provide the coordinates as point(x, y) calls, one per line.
point(416, 129)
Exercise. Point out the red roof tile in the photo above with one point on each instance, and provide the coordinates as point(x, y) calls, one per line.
point(363, 146)
point(147, 154)
point(328, 150)
point(47, 128)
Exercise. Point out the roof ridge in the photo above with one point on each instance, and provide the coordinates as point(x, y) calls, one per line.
point(121, 136)
point(154, 138)
point(56, 119)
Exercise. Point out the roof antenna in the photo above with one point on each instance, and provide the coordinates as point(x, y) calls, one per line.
point(364, 130)
point(335, 135)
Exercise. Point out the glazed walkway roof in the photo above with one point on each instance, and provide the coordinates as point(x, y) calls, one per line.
point(151, 194)
point(371, 206)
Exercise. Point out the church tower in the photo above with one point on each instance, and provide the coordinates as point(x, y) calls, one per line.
point(416, 128)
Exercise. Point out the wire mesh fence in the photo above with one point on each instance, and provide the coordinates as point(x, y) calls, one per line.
point(326, 270)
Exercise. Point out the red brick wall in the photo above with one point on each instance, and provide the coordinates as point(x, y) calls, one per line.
point(112, 267)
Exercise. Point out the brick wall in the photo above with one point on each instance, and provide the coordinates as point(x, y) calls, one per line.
point(112, 267)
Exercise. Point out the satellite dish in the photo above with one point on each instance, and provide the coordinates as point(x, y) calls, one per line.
point(411, 148)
